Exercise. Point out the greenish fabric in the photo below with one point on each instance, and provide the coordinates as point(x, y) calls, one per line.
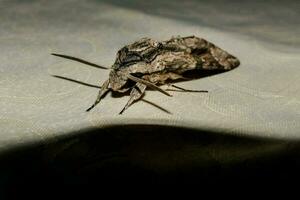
point(260, 98)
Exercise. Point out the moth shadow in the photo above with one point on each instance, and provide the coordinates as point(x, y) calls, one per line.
point(119, 95)
point(197, 74)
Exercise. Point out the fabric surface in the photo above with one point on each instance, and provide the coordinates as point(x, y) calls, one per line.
point(260, 98)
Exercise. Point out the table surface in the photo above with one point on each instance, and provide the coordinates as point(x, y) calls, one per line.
point(260, 98)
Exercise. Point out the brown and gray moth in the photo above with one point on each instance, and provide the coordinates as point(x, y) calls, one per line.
point(148, 63)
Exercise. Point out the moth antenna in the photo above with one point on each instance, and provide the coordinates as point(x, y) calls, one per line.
point(75, 81)
point(151, 85)
point(79, 60)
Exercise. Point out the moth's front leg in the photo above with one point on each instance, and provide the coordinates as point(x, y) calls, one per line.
point(104, 89)
point(147, 83)
point(136, 93)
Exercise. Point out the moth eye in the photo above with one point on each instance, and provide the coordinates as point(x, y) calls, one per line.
point(131, 58)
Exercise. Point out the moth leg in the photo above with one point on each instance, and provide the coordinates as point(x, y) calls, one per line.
point(183, 89)
point(104, 89)
point(147, 83)
point(135, 94)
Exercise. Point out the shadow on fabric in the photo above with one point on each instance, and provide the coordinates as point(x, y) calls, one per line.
point(244, 17)
point(135, 154)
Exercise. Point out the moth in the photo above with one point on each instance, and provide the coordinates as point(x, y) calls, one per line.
point(148, 63)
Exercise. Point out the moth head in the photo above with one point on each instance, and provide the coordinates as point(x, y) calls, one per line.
point(119, 75)
point(119, 81)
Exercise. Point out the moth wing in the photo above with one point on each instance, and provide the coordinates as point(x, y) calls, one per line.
point(209, 56)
